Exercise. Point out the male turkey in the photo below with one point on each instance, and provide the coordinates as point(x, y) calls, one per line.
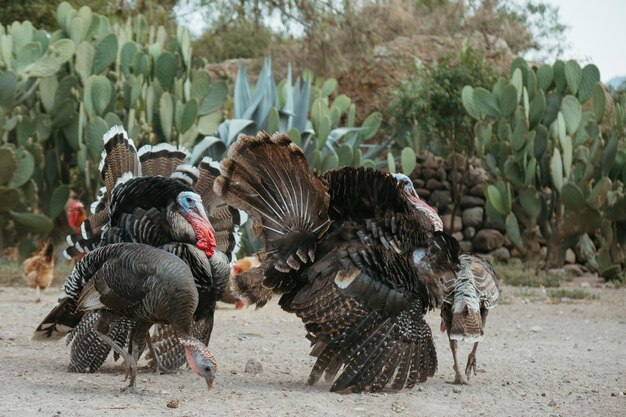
point(468, 294)
point(136, 282)
point(153, 197)
point(350, 257)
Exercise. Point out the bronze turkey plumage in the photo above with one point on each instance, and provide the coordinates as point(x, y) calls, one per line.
point(153, 196)
point(349, 256)
point(136, 282)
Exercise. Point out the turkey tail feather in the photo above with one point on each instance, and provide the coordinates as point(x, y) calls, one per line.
point(269, 178)
point(58, 322)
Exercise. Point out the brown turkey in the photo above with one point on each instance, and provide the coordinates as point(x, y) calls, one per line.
point(351, 258)
point(153, 196)
point(469, 292)
point(136, 282)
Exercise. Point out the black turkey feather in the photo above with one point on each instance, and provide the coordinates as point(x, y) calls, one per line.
point(136, 282)
point(349, 256)
point(152, 196)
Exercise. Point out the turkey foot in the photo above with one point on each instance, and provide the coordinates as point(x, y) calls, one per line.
point(131, 364)
point(471, 362)
point(458, 379)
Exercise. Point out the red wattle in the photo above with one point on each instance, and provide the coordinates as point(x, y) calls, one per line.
point(206, 238)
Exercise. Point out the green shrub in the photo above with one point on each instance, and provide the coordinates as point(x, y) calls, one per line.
point(427, 112)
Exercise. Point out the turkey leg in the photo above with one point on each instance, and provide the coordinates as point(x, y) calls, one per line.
point(471, 362)
point(131, 364)
point(458, 379)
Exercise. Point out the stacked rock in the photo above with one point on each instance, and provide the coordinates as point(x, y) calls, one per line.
point(436, 182)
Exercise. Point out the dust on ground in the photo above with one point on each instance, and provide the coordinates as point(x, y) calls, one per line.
point(537, 359)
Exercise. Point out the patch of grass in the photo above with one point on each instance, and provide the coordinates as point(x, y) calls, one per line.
point(573, 294)
point(526, 276)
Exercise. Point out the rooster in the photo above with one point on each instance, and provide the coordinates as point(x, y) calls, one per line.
point(38, 269)
point(76, 215)
point(241, 266)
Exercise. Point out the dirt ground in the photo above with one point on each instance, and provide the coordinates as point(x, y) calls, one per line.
point(537, 359)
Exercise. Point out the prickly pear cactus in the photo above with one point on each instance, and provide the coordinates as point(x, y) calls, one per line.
point(60, 92)
point(540, 137)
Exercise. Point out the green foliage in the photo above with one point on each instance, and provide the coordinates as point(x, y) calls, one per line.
point(550, 160)
point(427, 109)
point(59, 95)
point(304, 109)
point(238, 39)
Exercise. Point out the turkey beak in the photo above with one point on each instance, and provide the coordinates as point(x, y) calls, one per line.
point(209, 381)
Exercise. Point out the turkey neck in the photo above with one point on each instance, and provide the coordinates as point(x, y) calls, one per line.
point(180, 228)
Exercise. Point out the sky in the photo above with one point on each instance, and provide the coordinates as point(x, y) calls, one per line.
point(597, 33)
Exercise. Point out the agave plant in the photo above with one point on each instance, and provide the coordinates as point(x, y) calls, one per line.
point(304, 110)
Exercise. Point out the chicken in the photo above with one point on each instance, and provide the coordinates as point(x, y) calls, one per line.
point(242, 265)
point(349, 256)
point(76, 215)
point(38, 269)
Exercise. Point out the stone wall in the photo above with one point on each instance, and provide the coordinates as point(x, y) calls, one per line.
point(433, 180)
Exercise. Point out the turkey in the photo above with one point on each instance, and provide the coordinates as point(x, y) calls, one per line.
point(468, 294)
point(349, 256)
point(152, 196)
point(137, 282)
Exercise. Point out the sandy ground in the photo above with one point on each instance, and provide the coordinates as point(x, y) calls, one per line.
point(537, 359)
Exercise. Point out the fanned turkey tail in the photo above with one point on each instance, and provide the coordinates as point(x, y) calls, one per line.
point(268, 177)
point(88, 351)
point(119, 161)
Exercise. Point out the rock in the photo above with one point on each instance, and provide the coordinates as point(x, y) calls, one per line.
point(553, 415)
point(536, 329)
point(501, 254)
point(440, 199)
point(398, 407)
point(419, 183)
point(446, 185)
point(447, 222)
point(487, 240)
point(423, 193)
point(466, 246)
point(473, 216)
point(570, 257)
point(574, 269)
point(253, 367)
point(477, 175)
point(456, 390)
point(455, 159)
point(469, 232)
point(441, 173)
point(477, 191)
point(458, 236)
point(434, 184)
point(432, 161)
point(428, 173)
point(173, 404)
point(552, 403)
point(469, 201)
